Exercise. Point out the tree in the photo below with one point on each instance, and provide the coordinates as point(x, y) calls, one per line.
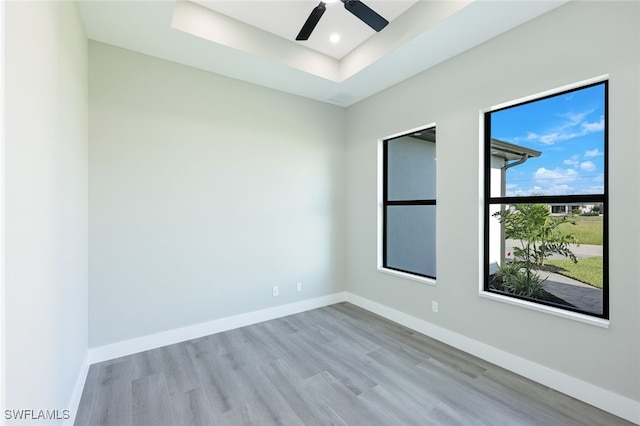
point(539, 236)
point(538, 233)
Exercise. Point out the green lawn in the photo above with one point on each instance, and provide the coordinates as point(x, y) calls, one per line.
point(588, 269)
point(588, 229)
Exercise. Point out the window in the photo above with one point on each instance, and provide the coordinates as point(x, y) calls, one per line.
point(409, 204)
point(545, 231)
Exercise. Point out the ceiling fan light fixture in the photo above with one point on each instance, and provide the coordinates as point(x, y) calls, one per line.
point(356, 7)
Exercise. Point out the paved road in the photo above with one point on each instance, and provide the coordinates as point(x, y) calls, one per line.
point(582, 250)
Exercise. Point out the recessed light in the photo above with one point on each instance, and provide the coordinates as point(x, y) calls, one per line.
point(334, 38)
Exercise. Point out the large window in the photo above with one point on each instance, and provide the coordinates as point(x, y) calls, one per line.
point(409, 204)
point(546, 198)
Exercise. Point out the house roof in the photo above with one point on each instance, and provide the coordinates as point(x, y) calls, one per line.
point(510, 151)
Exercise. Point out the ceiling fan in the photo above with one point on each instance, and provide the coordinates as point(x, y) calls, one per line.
point(359, 9)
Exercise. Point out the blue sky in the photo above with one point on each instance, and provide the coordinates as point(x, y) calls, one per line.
point(569, 131)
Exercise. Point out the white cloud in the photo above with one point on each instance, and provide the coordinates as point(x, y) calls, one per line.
point(573, 126)
point(595, 189)
point(575, 118)
point(558, 190)
point(587, 166)
point(593, 127)
point(532, 136)
point(556, 176)
point(573, 161)
point(536, 190)
point(551, 138)
point(593, 153)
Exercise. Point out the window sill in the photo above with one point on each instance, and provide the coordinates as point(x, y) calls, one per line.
point(425, 280)
point(600, 322)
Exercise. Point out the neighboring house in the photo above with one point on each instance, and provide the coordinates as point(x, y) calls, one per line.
point(504, 155)
point(566, 209)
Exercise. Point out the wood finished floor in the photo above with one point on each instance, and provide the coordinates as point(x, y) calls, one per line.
point(338, 365)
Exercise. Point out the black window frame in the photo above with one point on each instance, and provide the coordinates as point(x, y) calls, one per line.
point(386, 203)
point(597, 199)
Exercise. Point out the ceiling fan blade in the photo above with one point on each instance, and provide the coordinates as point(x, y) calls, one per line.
point(365, 14)
point(312, 21)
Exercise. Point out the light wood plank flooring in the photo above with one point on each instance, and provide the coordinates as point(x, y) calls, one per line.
point(338, 365)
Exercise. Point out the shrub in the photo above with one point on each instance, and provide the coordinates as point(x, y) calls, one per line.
point(515, 278)
point(525, 283)
point(508, 270)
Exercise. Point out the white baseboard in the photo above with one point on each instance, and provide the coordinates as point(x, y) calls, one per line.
point(604, 399)
point(169, 337)
point(76, 395)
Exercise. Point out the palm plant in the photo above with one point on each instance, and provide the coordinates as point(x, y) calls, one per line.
point(538, 233)
point(539, 237)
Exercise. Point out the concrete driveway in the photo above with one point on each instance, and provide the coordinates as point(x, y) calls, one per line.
point(580, 295)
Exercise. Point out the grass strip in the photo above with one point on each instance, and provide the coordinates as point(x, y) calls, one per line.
point(588, 269)
point(588, 229)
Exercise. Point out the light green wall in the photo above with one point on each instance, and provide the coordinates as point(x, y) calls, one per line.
point(577, 41)
point(204, 193)
point(46, 101)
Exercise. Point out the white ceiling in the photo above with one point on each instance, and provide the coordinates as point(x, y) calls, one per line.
point(285, 19)
point(254, 41)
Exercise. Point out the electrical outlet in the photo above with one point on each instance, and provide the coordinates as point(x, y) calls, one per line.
point(276, 290)
point(299, 287)
point(434, 306)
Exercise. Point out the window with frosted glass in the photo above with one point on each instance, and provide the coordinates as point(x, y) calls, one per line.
point(409, 203)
